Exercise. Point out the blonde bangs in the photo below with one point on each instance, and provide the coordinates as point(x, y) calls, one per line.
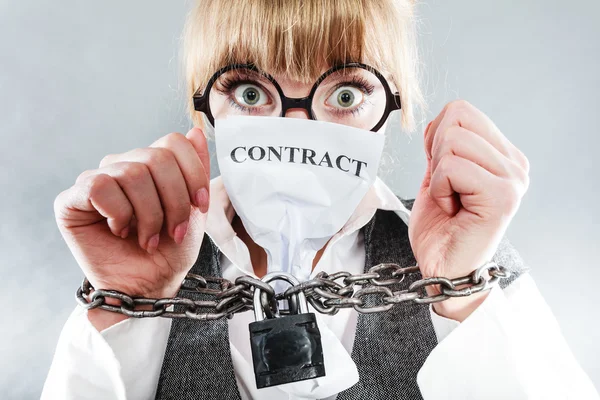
point(301, 38)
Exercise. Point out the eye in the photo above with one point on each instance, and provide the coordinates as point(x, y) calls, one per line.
point(250, 95)
point(346, 97)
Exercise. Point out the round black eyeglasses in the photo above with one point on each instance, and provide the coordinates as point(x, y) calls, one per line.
point(352, 94)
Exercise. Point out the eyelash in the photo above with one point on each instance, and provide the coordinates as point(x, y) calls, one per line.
point(228, 84)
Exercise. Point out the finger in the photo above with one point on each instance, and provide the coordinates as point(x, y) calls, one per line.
point(136, 182)
point(429, 132)
point(198, 140)
point(466, 144)
point(97, 194)
point(189, 162)
point(169, 183)
point(474, 185)
point(425, 136)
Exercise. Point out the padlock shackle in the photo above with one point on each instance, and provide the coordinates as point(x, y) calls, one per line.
point(259, 313)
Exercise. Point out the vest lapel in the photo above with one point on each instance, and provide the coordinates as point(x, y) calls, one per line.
point(197, 362)
point(390, 347)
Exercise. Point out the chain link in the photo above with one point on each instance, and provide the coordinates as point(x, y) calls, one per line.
point(325, 293)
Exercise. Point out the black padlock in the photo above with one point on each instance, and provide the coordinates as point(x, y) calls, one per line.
point(285, 348)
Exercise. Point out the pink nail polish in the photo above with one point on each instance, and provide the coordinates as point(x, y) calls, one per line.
point(180, 231)
point(152, 244)
point(202, 200)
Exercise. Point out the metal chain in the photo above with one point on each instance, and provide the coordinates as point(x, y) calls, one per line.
point(326, 293)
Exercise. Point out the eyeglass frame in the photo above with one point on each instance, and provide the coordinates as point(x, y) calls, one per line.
point(202, 103)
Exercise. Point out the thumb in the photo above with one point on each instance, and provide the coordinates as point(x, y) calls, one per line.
point(198, 140)
point(427, 178)
point(427, 142)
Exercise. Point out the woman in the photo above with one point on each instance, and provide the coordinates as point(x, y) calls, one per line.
point(137, 223)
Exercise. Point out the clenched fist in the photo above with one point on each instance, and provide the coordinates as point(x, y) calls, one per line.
point(473, 186)
point(136, 223)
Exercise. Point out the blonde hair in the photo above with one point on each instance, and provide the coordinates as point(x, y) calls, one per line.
point(301, 37)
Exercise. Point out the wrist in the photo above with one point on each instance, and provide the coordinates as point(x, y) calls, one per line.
point(459, 308)
point(103, 319)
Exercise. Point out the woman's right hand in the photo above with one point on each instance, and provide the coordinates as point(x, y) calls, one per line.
point(137, 222)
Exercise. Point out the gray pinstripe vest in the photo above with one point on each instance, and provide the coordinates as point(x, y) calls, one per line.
point(389, 347)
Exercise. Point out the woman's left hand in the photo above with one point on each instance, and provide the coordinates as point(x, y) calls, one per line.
point(473, 186)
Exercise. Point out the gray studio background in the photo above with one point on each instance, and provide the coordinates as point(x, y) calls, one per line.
point(81, 79)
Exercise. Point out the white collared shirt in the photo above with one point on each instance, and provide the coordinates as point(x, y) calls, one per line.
point(509, 347)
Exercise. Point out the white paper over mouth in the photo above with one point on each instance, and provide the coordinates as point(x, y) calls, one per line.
point(295, 182)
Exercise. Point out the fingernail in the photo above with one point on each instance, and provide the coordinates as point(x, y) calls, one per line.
point(180, 232)
point(152, 244)
point(124, 232)
point(202, 199)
